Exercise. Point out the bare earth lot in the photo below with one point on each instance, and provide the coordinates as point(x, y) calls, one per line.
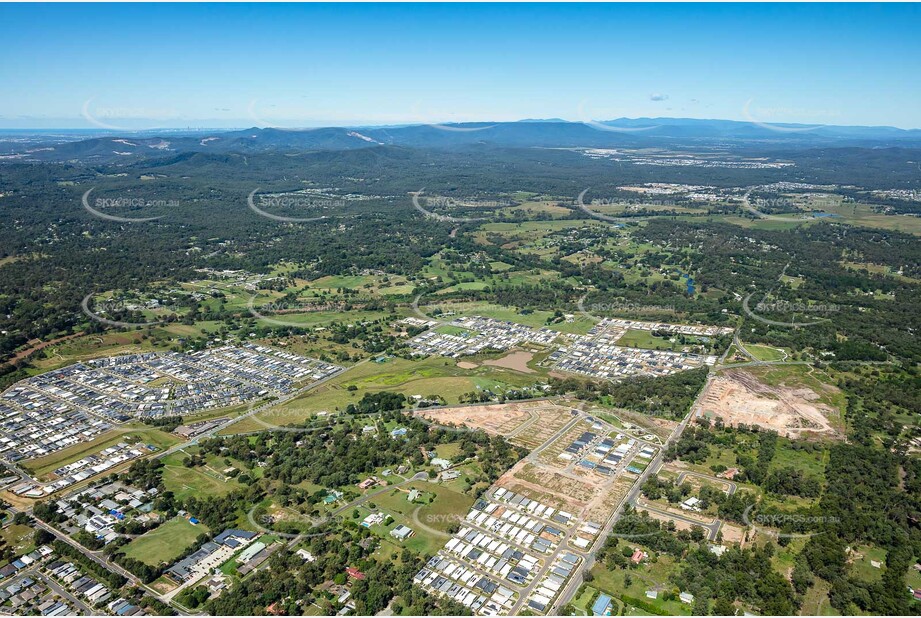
point(499, 419)
point(739, 397)
point(517, 361)
point(528, 423)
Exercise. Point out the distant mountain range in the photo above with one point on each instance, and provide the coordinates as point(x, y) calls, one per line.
point(554, 133)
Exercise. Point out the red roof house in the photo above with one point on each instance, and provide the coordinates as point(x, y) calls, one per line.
point(354, 573)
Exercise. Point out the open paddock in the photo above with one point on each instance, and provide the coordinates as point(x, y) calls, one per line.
point(165, 543)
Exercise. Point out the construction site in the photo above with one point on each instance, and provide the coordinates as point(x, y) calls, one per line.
point(739, 397)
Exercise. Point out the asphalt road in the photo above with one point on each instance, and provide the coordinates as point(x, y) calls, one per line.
point(575, 581)
point(95, 556)
point(714, 526)
point(58, 590)
point(98, 557)
point(733, 486)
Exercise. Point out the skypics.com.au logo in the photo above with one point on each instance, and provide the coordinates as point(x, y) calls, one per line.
point(773, 119)
point(98, 312)
point(448, 202)
point(127, 117)
point(580, 203)
point(758, 206)
point(788, 525)
point(427, 205)
point(102, 204)
point(289, 201)
point(273, 312)
point(621, 306)
point(780, 307)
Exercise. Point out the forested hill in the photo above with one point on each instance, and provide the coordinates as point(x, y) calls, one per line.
point(621, 133)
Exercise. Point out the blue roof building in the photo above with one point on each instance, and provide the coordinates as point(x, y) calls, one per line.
point(602, 606)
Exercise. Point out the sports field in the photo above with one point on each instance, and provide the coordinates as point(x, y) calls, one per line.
point(165, 543)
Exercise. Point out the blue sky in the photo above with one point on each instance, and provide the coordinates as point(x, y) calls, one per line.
point(240, 65)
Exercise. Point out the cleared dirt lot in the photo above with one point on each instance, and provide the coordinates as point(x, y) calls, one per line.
point(528, 423)
point(592, 497)
point(550, 419)
point(516, 360)
point(734, 534)
point(499, 419)
point(568, 487)
point(550, 454)
point(739, 397)
point(533, 487)
point(543, 476)
point(605, 502)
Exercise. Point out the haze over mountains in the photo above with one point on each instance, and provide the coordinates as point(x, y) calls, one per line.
point(624, 132)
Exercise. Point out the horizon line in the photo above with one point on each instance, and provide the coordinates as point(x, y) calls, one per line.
point(360, 125)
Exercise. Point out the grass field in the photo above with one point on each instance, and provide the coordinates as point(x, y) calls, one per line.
point(862, 567)
point(18, 539)
point(317, 318)
point(810, 463)
point(429, 519)
point(815, 601)
point(864, 215)
point(853, 214)
point(93, 346)
point(765, 353)
point(428, 376)
point(534, 319)
point(650, 575)
point(878, 269)
point(449, 450)
point(914, 578)
point(375, 285)
point(735, 355)
point(185, 482)
point(646, 340)
point(164, 543)
point(448, 329)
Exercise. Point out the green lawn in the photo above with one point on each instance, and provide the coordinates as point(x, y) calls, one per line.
point(650, 575)
point(18, 538)
point(457, 331)
point(449, 450)
point(862, 567)
point(585, 597)
point(164, 543)
point(765, 353)
point(185, 482)
point(644, 339)
point(914, 578)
